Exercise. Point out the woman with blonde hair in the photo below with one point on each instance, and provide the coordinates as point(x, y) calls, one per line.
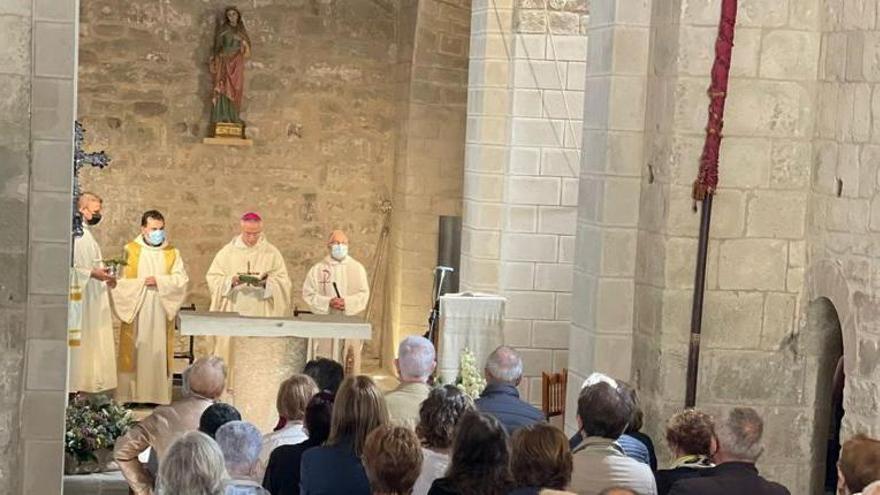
point(294, 395)
point(336, 466)
point(193, 465)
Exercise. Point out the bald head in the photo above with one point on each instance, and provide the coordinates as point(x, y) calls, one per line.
point(504, 365)
point(87, 198)
point(337, 237)
point(89, 206)
point(205, 377)
point(872, 489)
point(617, 491)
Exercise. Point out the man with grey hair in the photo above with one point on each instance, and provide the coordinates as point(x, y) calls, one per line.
point(739, 447)
point(415, 363)
point(240, 443)
point(500, 398)
point(203, 382)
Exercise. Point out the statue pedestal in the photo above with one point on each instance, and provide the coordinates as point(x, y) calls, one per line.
point(228, 141)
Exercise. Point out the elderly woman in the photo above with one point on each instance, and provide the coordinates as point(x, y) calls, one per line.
point(540, 459)
point(293, 397)
point(193, 465)
point(438, 415)
point(691, 437)
point(240, 443)
point(336, 467)
point(392, 460)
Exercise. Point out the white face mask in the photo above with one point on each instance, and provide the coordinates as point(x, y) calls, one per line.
point(339, 251)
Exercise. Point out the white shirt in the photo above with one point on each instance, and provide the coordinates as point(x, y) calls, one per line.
point(434, 465)
point(292, 434)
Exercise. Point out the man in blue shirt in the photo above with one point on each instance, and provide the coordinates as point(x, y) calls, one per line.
point(500, 398)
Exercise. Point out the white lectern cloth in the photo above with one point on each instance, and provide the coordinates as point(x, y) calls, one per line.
point(473, 321)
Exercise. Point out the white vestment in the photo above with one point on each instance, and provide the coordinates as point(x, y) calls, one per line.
point(351, 280)
point(93, 362)
point(238, 258)
point(147, 314)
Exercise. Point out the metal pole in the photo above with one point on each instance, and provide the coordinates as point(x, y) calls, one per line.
point(697, 311)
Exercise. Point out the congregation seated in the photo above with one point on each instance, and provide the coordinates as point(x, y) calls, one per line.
point(282, 473)
point(859, 466)
point(540, 459)
point(392, 459)
point(336, 467)
point(438, 416)
point(500, 398)
point(192, 465)
point(217, 415)
point(691, 438)
point(203, 382)
point(326, 373)
point(739, 447)
point(293, 396)
point(240, 443)
point(480, 460)
point(603, 412)
point(415, 363)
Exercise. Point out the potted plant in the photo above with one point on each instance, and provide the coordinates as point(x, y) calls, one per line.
point(93, 424)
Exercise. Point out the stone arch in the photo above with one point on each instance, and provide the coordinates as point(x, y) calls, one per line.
point(825, 332)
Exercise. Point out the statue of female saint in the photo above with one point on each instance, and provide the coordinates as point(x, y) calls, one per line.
point(231, 46)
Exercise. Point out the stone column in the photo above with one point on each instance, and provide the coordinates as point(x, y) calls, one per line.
point(524, 123)
point(610, 180)
point(37, 72)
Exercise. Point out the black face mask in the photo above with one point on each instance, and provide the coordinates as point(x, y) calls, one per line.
point(95, 220)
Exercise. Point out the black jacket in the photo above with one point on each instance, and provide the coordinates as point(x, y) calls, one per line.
point(503, 402)
point(730, 478)
point(282, 472)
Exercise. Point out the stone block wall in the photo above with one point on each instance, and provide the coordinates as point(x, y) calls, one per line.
point(844, 208)
point(321, 105)
point(38, 74)
point(757, 241)
point(428, 172)
point(524, 132)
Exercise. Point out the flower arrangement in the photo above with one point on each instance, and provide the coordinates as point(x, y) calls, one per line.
point(93, 424)
point(115, 265)
point(470, 379)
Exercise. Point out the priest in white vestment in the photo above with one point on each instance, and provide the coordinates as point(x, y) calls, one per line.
point(93, 357)
point(338, 284)
point(248, 276)
point(147, 299)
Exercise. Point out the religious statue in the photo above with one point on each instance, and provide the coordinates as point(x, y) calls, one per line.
point(231, 46)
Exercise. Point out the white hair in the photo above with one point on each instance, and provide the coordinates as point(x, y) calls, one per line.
point(240, 443)
point(193, 464)
point(595, 378)
point(739, 435)
point(504, 365)
point(416, 358)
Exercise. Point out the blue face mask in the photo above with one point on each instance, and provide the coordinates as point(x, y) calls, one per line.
point(156, 237)
point(339, 251)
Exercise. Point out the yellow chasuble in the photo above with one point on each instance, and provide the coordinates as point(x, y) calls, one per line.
point(146, 338)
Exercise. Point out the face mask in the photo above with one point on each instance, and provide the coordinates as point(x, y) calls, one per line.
point(339, 251)
point(95, 220)
point(156, 237)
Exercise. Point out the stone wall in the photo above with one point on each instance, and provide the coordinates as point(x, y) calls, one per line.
point(524, 133)
point(430, 154)
point(37, 72)
point(844, 218)
point(319, 105)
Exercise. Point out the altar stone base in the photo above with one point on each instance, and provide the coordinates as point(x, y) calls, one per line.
point(259, 365)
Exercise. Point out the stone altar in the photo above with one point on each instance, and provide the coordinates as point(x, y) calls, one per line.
point(266, 351)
